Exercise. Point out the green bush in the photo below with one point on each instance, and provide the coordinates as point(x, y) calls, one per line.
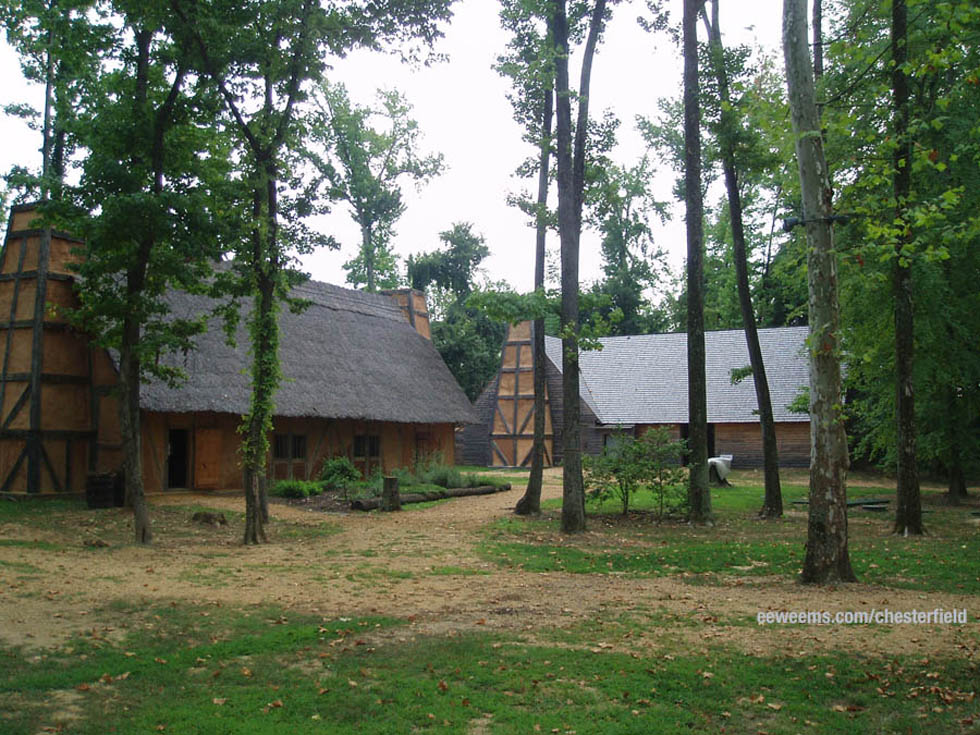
point(431, 470)
point(628, 464)
point(338, 473)
point(296, 489)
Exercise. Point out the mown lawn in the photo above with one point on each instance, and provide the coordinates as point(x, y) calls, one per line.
point(188, 669)
point(179, 667)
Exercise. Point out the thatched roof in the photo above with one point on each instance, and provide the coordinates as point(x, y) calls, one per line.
point(643, 379)
point(348, 355)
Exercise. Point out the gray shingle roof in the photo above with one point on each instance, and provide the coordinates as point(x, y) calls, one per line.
point(643, 379)
point(348, 355)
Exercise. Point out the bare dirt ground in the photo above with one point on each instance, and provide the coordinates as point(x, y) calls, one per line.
point(423, 565)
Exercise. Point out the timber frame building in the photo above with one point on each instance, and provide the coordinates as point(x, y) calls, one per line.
point(638, 382)
point(361, 379)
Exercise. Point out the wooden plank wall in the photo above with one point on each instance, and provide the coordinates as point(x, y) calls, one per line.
point(744, 442)
point(213, 441)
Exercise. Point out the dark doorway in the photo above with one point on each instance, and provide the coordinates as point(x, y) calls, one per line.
point(177, 458)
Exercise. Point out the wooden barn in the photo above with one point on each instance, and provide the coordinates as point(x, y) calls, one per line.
point(361, 378)
point(636, 382)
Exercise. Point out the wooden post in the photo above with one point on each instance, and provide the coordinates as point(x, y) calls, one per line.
point(390, 500)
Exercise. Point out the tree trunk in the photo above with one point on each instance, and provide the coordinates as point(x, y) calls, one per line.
point(818, 47)
point(368, 252)
point(827, 558)
point(573, 489)
point(908, 511)
point(265, 346)
point(699, 494)
point(571, 184)
point(390, 500)
point(772, 506)
point(530, 504)
point(129, 427)
point(46, 127)
point(129, 358)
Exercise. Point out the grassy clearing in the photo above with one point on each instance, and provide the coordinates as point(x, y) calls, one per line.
point(639, 666)
point(741, 545)
point(192, 669)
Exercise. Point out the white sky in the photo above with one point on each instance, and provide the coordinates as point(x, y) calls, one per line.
point(463, 112)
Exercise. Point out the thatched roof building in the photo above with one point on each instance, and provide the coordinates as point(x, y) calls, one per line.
point(361, 379)
point(347, 355)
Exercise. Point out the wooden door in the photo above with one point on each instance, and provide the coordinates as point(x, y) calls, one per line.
point(207, 458)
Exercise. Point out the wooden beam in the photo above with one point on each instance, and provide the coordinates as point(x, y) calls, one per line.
point(13, 313)
point(29, 323)
point(54, 434)
point(30, 275)
point(13, 471)
point(46, 460)
point(39, 231)
point(18, 406)
point(35, 449)
point(46, 378)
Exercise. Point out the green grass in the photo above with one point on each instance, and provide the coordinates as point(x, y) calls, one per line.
point(741, 545)
point(23, 544)
point(221, 670)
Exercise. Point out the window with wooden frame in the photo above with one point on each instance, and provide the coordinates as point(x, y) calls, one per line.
point(367, 453)
point(289, 456)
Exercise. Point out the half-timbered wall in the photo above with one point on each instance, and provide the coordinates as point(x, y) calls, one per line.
point(512, 425)
point(48, 413)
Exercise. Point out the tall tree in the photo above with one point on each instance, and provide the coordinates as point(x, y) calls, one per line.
point(772, 506)
point(260, 65)
point(933, 237)
point(827, 558)
point(908, 511)
point(571, 184)
point(61, 45)
point(699, 495)
point(621, 204)
point(364, 162)
point(145, 206)
point(530, 65)
point(262, 59)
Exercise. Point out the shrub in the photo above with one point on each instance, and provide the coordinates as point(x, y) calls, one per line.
point(629, 464)
point(296, 489)
point(430, 470)
point(338, 472)
point(616, 472)
point(665, 476)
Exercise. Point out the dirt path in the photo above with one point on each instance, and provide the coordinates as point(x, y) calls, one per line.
point(424, 565)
